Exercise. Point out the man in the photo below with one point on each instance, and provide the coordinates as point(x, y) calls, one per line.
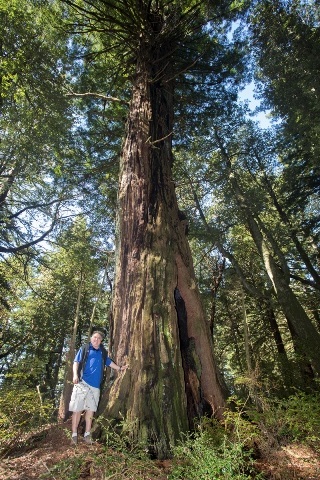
point(86, 390)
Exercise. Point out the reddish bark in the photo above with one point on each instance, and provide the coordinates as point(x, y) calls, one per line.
point(172, 375)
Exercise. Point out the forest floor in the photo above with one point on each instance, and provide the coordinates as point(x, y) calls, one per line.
point(48, 454)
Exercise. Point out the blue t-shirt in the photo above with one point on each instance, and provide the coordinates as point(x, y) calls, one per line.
point(92, 373)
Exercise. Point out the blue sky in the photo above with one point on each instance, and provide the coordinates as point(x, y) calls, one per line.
point(248, 95)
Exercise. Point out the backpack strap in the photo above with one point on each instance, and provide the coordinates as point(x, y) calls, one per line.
point(104, 354)
point(83, 360)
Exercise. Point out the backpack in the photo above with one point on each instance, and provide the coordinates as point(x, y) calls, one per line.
point(83, 361)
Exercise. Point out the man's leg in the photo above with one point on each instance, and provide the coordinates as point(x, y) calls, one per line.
point(92, 400)
point(75, 422)
point(89, 418)
point(74, 425)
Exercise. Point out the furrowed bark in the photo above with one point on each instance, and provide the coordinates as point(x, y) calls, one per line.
point(167, 344)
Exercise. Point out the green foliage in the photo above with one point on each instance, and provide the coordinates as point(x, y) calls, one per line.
point(302, 416)
point(212, 453)
point(216, 451)
point(68, 469)
point(34, 122)
point(41, 320)
point(241, 429)
point(21, 412)
point(294, 419)
point(286, 44)
point(122, 437)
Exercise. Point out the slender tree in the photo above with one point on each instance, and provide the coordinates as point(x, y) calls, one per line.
point(306, 334)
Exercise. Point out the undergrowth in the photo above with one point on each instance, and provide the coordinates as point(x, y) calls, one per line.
point(295, 419)
point(216, 450)
point(22, 411)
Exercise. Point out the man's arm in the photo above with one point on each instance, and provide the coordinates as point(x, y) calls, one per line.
point(117, 367)
point(75, 372)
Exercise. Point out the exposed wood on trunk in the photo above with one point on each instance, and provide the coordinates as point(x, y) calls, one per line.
point(212, 390)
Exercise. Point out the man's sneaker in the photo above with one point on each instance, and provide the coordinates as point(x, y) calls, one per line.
point(88, 439)
point(74, 440)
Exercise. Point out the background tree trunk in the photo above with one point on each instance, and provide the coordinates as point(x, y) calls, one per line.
point(64, 412)
point(307, 335)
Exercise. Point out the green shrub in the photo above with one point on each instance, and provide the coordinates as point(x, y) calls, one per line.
point(294, 419)
point(68, 469)
point(21, 411)
point(212, 454)
point(302, 417)
point(240, 427)
point(121, 436)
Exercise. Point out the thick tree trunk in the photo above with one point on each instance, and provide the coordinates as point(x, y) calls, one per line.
point(158, 325)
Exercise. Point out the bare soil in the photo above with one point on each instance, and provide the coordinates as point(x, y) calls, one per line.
point(291, 462)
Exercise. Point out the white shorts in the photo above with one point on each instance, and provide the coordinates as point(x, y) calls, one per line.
point(84, 397)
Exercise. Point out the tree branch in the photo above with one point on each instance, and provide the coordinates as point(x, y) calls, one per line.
point(106, 98)
point(31, 243)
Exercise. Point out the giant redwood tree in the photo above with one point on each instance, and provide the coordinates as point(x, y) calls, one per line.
point(158, 323)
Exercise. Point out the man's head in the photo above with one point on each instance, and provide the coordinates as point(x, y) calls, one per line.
point(100, 332)
point(96, 339)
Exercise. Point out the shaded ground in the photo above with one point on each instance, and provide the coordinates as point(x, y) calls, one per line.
point(291, 462)
point(49, 455)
